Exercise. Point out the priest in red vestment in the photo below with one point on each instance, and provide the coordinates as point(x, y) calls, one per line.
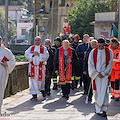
point(64, 60)
point(99, 66)
point(37, 55)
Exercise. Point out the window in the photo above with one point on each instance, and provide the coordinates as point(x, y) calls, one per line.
point(23, 31)
point(62, 2)
point(105, 34)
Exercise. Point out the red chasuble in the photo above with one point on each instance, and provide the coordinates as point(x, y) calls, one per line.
point(95, 53)
point(62, 78)
point(32, 72)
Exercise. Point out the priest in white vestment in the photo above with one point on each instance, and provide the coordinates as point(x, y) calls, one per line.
point(99, 66)
point(7, 64)
point(37, 56)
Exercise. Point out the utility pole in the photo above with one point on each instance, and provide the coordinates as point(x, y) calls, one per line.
point(34, 2)
point(6, 22)
point(52, 21)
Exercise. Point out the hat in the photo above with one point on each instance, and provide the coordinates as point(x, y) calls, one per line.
point(91, 38)
point(80, 41)
point(57, 39)
point(76, 36)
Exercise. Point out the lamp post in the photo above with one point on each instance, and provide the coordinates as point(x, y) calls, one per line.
point(52, 20)
point(6, 22)
point(34, 2)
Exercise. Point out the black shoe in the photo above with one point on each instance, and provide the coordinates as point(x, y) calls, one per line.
point(116, 99)
point(104, 114)
point(85, 93)
point(72, 88)
point(63, 96)
point(48, 93)
point(67, 97)
point(98, 113)
point(34, 97)
point(112, 97)
point(55, 88)
point(43, 93)
point(90, 99)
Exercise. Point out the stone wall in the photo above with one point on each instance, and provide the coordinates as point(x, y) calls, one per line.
point(18, 79)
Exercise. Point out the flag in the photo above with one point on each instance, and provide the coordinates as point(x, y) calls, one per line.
point(114, 32)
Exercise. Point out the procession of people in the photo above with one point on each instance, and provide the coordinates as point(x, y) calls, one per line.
point(68, 65)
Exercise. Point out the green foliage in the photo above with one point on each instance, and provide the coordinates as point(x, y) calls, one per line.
point(11, 25)
point(2, 19)
point(84, 13)
point(11, 29)
point(20, 58)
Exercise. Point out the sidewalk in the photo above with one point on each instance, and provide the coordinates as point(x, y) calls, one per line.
point(20, 107)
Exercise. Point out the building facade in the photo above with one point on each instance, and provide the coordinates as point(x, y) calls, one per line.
point(48, 22)
point(103, 22)
point(15, 12)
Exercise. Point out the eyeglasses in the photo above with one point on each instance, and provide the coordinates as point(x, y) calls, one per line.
point(100, 45)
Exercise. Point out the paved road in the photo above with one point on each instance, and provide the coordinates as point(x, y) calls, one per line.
point(20, 107)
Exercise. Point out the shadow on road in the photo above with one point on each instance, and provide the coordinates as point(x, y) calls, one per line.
point(26, 106)
point(97, 117)
point(113, 108)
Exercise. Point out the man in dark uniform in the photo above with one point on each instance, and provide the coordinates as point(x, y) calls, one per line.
point(57, 44)
point(93, 44)
point(65, 59)
point(49, 66)
point(76, 39)
point(76, 77)
point(81, 50)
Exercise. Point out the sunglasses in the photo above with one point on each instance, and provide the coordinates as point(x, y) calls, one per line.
point(100, 45)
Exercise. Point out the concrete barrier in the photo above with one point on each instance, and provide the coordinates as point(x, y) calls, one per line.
point(18, 79)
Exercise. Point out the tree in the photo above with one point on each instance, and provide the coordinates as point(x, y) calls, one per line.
point(84, 13)
point(30, 6)
point(2, 19)
point(11, 25)
point(11, 29)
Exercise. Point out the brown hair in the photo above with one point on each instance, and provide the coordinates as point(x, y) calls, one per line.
point(0, 38)
point(101, 40)
point(114, 40)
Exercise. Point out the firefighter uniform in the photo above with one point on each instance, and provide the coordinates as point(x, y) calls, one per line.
point(76, 76)
point(115, 74)
point(57, 44)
